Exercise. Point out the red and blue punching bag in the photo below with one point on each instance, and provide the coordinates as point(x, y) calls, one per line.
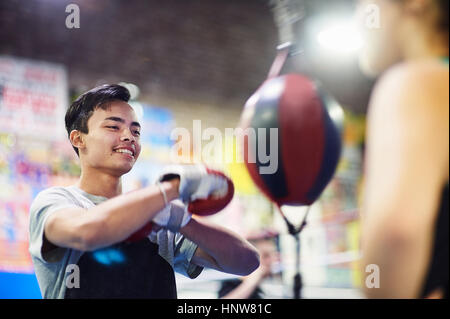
point(308, 140)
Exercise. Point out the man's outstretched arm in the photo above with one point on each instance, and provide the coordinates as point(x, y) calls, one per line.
point(220, 248)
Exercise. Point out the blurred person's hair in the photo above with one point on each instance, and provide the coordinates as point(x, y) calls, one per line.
point(443, 23)
point(83, 107)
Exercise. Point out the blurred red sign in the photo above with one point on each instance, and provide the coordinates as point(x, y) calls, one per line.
point(33, 98)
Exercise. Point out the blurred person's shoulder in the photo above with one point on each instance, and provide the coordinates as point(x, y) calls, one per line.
point(414, 86)
point(416, 71)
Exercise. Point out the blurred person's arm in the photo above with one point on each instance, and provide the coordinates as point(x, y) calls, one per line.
point(406, 170)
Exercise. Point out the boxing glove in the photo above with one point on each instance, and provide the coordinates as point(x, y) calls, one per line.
point(204, 190)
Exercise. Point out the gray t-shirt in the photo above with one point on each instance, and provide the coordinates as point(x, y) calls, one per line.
point(53, 267)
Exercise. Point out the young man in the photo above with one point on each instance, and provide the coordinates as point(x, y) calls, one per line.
point(405, 214)
point(78, 234)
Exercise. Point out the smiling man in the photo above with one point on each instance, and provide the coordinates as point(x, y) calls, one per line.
point(80, 235)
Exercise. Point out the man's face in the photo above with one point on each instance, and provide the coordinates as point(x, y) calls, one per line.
point(112, 144)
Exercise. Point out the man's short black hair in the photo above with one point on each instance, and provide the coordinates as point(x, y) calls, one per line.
point(81, 109)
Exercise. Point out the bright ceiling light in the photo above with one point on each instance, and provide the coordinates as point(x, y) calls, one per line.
point(340, 37)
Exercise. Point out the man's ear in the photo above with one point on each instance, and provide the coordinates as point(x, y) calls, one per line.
point(76, 138)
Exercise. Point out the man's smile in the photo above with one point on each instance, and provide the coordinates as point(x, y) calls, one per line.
point(128, 150)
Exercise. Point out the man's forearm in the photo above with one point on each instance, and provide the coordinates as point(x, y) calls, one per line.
point(122, 215)
point(221, 248)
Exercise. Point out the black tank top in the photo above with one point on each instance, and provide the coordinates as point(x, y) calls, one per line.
point(125, 270)
point(438, 270)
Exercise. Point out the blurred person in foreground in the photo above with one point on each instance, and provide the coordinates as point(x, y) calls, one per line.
point(405, 226)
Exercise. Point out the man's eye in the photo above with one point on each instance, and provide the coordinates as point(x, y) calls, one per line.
point(137, 133)
point(113, 127)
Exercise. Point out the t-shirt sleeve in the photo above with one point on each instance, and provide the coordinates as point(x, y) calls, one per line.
point(45, 204)
point(183, 253)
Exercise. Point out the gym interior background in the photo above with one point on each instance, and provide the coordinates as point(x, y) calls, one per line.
point(185, 61)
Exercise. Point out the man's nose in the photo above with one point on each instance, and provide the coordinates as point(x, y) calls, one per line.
point(127, 136)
